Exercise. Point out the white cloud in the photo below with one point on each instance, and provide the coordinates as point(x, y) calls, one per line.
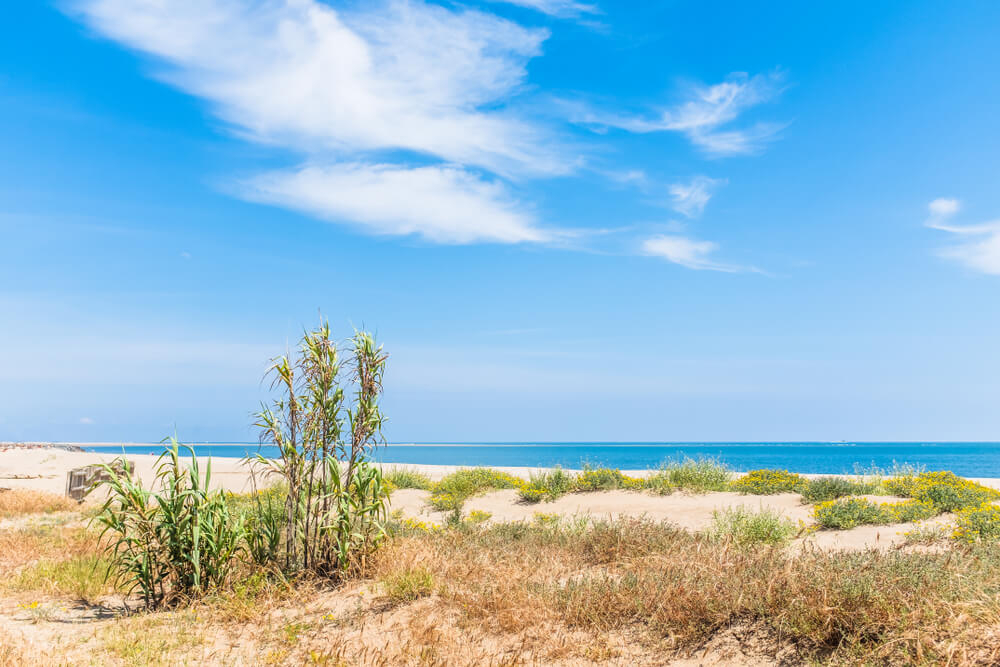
point(686, 252)
point(86, 421)
point(944, 207)
point(387, 79)
point(981, 251)
point(389, 75)
point(702, 117)
point(558, 8)
point(690, 199)
point(446, 204)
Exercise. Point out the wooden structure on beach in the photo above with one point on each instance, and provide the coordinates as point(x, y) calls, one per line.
point(80, 481)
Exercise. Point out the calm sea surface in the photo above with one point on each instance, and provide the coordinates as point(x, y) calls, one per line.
point(971, 459)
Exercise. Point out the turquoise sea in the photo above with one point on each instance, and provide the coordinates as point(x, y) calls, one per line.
point(970, 459)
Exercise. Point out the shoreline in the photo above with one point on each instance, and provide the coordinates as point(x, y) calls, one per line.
point(45, 468)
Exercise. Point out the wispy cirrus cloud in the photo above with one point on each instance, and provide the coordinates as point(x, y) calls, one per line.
point(557, 8)
point(705, 117)
point(347, 89)
point(687, 252)
point(689, 199)
point(980, 251)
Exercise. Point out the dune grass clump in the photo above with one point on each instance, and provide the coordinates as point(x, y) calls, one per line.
point(695, 475)
point(406, 478)
point(547, 485)
point(850, 512)
point(768, 482)
point(945, 490)
point(408, 585)
point(978, 524)
point(822, 489)
point(744, 527)
point(452, 491)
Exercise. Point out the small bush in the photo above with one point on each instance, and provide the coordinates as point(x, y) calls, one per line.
point(404, 478)
point(945, 490)
point(450, 493)
point(547, 486)
point(847, 513)
point(699, 475)
point(978, 524)
point(605, 479)
point(768, 482)
point(830, 488)
point(745, 527)
point(908, 511)
point(659, 482)
point(409, 585)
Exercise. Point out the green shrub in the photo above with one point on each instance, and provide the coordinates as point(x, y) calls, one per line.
point(945, 490)
point(850, 512)
point(452, 491)
point(547, 485)
point(908, 511)
point(768, 482)
point(830, 488)
point(659, 482)
point(978, 524)
point(605, 479)
point(846, 513)
point(699, 475)
point(745, 527)
point(405, 478)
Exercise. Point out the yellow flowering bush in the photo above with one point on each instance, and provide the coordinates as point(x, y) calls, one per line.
point(978, 524)
point(452, 491)
point(850, 512)
point(768, 482)
point(945, 490)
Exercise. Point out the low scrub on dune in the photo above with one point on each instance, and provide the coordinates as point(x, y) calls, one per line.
point(769, 482)
point(449, 494)
point(847, 513)
point(830, 488)
point(945, 490)
point(692, 475)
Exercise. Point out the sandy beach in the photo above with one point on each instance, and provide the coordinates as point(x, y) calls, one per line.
point(45, 469)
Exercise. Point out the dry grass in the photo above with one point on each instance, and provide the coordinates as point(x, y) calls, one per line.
point(18, 502)
point(547, 592)
point(676, 591)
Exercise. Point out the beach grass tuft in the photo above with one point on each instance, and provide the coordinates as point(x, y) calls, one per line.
point(408, 478)
point(743, 526)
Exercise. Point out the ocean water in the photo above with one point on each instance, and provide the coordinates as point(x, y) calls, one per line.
point(970, 459)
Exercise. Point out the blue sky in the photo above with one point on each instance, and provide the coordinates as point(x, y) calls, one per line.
point(565, 220)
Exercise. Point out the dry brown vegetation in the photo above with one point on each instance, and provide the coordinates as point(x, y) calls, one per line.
point(17, 502)
point(546, 592)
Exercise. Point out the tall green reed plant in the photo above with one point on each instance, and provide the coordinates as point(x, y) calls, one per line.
point(325, 424)
point(174, 541)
